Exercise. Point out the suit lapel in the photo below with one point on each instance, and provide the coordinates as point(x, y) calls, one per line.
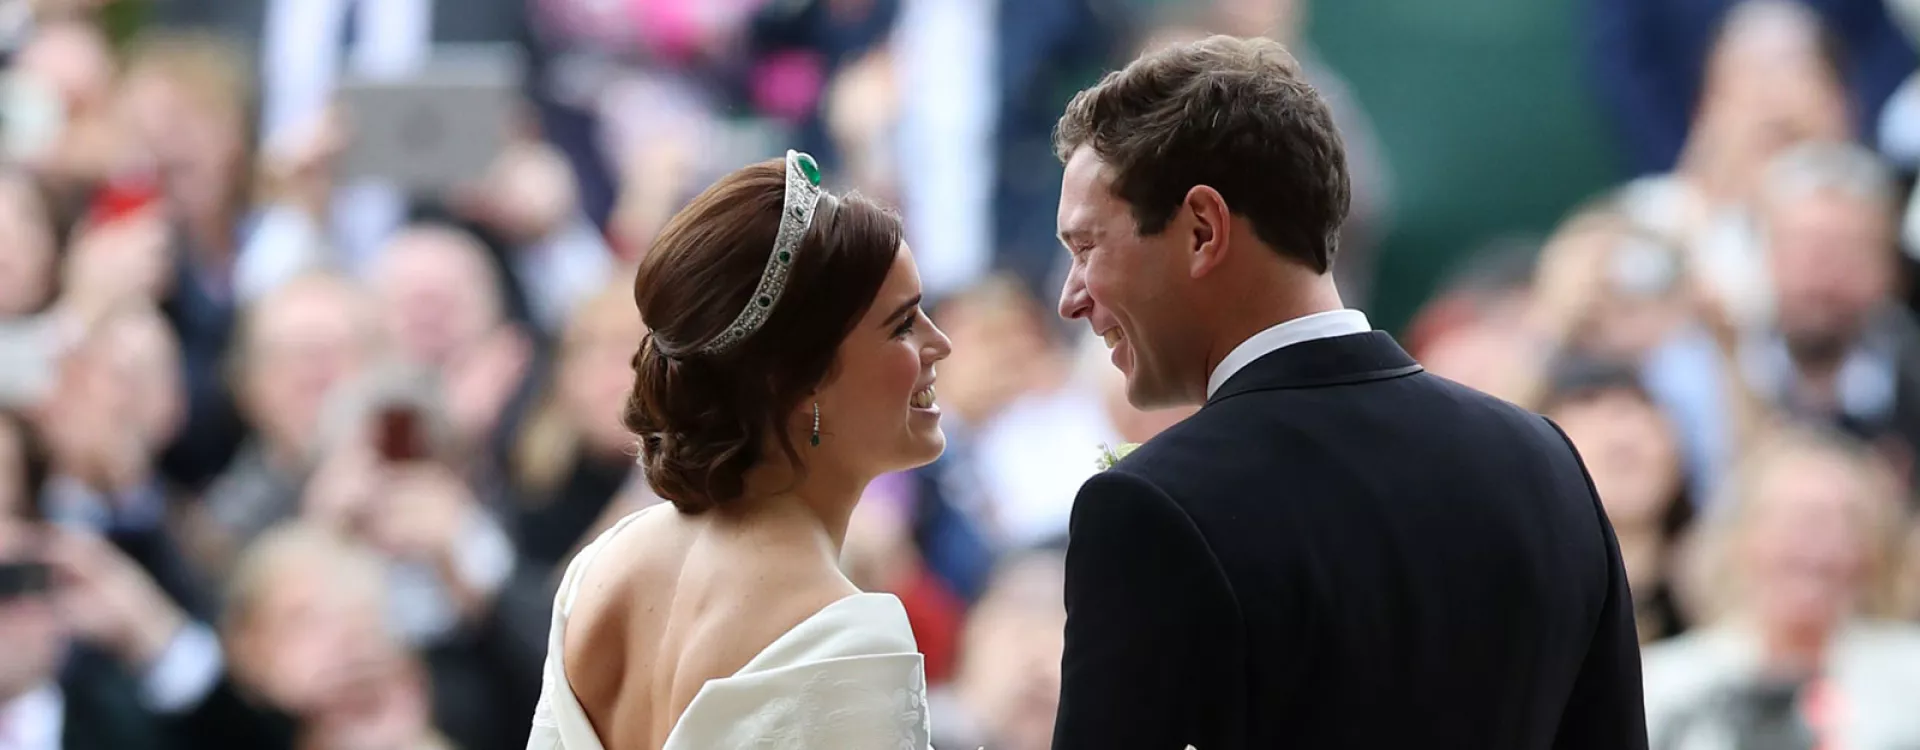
point(1340, 360)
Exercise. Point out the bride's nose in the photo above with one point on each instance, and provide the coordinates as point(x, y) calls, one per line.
point(938, 346)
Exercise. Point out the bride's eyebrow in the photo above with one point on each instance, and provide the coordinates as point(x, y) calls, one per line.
point(901, 311)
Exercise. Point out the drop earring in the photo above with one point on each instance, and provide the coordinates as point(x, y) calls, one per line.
point(816, 424)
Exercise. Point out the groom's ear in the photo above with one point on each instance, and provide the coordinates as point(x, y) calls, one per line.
point(1209, 230)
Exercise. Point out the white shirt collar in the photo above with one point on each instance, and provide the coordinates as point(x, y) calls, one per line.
point(1322, 325)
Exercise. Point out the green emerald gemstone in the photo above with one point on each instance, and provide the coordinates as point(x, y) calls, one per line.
point(808, 169)
point(785, 256)
point(766, 301)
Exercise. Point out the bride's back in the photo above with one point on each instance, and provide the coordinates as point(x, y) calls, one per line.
point(672, 601)
point(789, 354)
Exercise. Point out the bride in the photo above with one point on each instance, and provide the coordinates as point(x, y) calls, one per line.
point(788, 365)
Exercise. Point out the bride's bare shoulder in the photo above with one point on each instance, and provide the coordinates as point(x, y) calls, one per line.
point(669, 601)
point(699, 568)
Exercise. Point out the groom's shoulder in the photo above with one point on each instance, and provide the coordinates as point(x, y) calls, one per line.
point(1274, 430)
point(1181, 449)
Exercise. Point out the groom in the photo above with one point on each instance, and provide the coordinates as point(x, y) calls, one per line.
point(1338, 550)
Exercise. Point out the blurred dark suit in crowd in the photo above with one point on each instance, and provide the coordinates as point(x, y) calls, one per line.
point(1049, 49)
point(102, 711)
point(1648, 58)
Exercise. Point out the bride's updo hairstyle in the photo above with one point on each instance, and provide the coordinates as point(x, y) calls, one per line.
point(714, 379)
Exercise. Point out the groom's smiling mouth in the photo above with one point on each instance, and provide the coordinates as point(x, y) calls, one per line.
point(1111, 336)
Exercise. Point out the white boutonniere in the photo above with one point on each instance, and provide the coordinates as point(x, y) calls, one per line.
point(1110, 455)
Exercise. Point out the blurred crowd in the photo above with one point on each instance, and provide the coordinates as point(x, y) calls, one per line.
point(292, 458)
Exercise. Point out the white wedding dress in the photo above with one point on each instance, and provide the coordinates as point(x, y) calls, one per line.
point(850, 677)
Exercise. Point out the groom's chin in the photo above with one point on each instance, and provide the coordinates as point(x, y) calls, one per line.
point(1148, 394)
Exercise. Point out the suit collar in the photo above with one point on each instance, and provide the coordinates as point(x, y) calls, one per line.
point(1321, 325)
point(1340, 360)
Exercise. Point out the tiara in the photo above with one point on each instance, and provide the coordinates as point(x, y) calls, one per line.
point(796, 214)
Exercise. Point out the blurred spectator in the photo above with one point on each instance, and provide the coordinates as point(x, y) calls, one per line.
point(1469, 333)
point(1773, 80)
point(190, 210)
point(439, 298)
point(1647, 309)
point(62, 125)
point(1842, 351)
point(120, 398)
point(23, 468)
point(387, 477)
point(98, 658)
point(29, 248)
point(1003, 351)
point(835, 35)
point(189, 99)
point(1046, 50)
point(941, 98)
point(1633, 458)
point(1799, 574)
point(457, 591)
point(528, 208)
point(1008, 685)
point(573, 456)
point(304, 46)
point(291, 351)
point(1659, 64)
point(309, 630)
point(1037, 452)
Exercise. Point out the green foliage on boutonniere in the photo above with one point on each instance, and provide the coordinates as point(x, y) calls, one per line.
point(1110, 455)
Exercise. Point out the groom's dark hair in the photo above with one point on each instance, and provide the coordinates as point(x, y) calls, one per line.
point(1234, 114)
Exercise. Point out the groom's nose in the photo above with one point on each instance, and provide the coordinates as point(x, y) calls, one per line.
point(1074, 302)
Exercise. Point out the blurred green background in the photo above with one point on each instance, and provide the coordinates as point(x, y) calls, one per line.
point(1487, 121)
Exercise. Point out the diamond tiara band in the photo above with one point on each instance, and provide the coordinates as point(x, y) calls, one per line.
point(796, 215)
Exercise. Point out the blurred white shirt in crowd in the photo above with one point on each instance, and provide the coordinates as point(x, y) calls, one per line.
point(945, 59)
point(306, 49)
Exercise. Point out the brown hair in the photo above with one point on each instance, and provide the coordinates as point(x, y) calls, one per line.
point(703, 421)
point(1234, 114)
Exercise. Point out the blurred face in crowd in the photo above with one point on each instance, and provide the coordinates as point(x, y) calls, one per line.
point(1805, 545)
point(311, 635)
point(1630, 451)
point(119, 398)
point(27, 259)
point(999, 348)
point(72, 59)
point(1130, 289)
point(437, 293)
point(300, 342)
point(595, 370)
point(1641, 298)
point(1832, 266)
point(60, 81)
point(1768, 86)
point(142, 356)
point(29, 626)
point(196, 134)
